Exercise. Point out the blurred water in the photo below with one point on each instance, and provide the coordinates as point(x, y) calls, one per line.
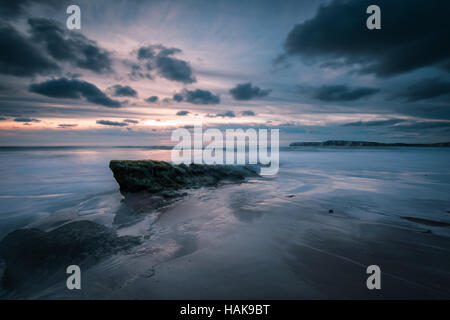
point(36, 182)
point(369, 183)
point(270, 237)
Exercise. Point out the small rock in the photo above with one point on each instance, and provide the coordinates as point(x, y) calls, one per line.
point(331, 211)
point(33, 254)
point(291, 196)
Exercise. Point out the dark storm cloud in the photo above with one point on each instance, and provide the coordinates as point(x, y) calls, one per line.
point(156, 50)
point(446, 66)
point(20, 57)
point(175, 70)
point(226, 114)
point(245, 91)
point(69, 46)
point(338, 92)
point(197, 96)
point(26, 120)
point(161, 59)
point(229, 114)
point(146, 53)
point(427, 89)
point(73, 89)
point(152, 99)
point(131, 121)
point(248, 113)
point(112, 123)
point(10, 9)
point(424, 125)
point(137, 71)
point(413, 35)
point(39, 107)
point(49, 42)
point(374, 123)
point(67, 125)
point(123, 91)
point(178, 97)
point(182, 113)
point(401, 125)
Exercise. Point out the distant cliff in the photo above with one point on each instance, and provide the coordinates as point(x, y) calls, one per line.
point(344, 143)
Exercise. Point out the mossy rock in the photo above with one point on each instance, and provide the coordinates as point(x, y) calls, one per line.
point(157, 176)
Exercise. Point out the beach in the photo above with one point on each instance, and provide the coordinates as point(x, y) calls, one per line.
point(307, 233)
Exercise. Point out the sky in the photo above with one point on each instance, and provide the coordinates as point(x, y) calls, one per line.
point(137, 70)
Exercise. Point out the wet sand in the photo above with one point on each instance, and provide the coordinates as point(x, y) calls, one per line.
point(203, 249)
point(268, 238)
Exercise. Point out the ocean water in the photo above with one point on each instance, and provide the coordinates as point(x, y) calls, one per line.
point(270, 237)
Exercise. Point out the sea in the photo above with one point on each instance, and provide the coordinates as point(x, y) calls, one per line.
point(309, 232)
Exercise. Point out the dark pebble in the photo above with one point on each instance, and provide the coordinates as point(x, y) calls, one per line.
point(331, 211)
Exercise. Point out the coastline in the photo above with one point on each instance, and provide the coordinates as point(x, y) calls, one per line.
point(273, 236)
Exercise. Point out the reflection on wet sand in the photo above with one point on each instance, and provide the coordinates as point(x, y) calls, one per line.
point(271, 237)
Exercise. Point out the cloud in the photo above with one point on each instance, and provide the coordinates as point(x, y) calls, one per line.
point(49, 43)
point(413, 39)
point(178, 97)
point(39, 107)
point(197, 96)
point(73, 89)
point(152, 99)
point(226, 114)
point(248, 113)
point(68, 46)
point(245, 91)
point(374, 123)
point(67, 125)
point(131, 121)
point(424, 125)
point(174, 69)
point(161, 59)
point(26, 120)
point(123, 91)
point(426, 89)
point(146, 53)
point(21, 57)
point(112, 123)
point(338, 92)
point(138, 71)
point(13, 9)
point(400, 125)
point(182, 113)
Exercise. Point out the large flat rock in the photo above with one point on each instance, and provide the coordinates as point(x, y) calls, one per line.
point(157, 176)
